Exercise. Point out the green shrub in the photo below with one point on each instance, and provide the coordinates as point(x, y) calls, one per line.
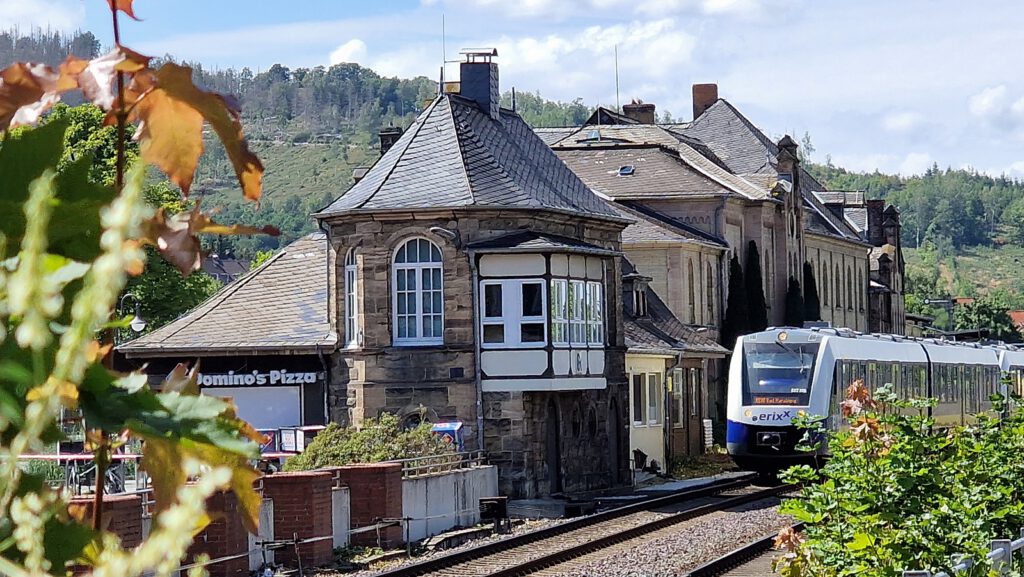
point(381, 439)
point(899, 494)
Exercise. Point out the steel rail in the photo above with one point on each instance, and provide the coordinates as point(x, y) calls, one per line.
point(737, 557)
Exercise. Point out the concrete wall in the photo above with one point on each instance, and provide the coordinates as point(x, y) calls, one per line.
point(266, 533)
point(341, 513)
point(437, 503)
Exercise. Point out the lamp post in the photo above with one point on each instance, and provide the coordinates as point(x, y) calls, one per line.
point(137, 324)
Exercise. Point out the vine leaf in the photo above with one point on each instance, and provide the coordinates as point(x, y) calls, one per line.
point(96, 77)
point(27, 91)
point(124, 6)
point(172, 110)
point(176, 237)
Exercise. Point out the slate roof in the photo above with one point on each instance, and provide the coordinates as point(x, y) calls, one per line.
point(652, 226)
point(454, 155)
point(660, 332)
point(530, 241)
point(279, 307)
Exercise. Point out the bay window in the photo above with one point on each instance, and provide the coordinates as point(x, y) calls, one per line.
point(513, 314)
point(560, 312)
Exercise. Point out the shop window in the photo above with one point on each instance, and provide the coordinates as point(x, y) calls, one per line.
point(353, 336)
point(513, 314)
point(418, 294)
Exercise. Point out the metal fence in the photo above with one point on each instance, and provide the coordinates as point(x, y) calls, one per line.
point(1001, 555)
point(436, 464)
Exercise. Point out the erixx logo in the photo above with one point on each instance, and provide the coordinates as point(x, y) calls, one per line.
point(771, 417)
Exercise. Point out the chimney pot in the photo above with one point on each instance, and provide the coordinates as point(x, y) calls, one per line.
point(642, 112)
point(704, 95)
point(478, 81)
point(389, 135)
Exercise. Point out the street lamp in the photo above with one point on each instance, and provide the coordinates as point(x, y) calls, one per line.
point(137, 324)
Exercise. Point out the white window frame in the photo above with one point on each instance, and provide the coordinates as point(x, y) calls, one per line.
point(418, 268)
point(595, 314)
point(559, 312)
point(577, 313)
point(653, 382)
point(353, 336)
point(512, 319)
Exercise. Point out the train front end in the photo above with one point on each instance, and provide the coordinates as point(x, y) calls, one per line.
point(771, 381)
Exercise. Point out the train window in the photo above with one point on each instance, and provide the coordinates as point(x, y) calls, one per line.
point(778, 373)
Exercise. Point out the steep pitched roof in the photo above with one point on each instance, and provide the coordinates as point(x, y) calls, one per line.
point(279, 307)
point(650, 225)
point(454, 155)
point(659, 331)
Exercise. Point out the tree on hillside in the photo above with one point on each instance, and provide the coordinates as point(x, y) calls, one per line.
point(794, 304)
point(757, 310)
point(812, 304)
point(735, 322)
point(987, 313)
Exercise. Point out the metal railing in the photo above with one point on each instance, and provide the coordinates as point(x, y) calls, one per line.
point(1000, 555)
point(437, 464)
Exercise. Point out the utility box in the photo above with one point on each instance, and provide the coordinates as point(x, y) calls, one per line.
point(493, 508)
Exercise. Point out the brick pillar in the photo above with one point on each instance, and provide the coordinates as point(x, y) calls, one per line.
point(122, 516)
point(223, 537)
point(375, 490)
point(302, 505)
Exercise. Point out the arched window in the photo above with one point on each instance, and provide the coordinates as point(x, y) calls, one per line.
point(860, 290)
point(849, 288)
point(693, 303)
point(824, 285)
point(418, 296)
point(839, 287)
point(353, 337)
point(711, 295)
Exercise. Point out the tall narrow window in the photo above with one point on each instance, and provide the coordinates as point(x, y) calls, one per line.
point(710, 297)
point(653, 398)
point(769, 286)
point(690, 292)
point(352, 335)
point(838, 294)
point(860, 290)
point(559, 312)
point(824, 285)
point(577, 312)
point(595, 314)
point(849, 288)
point(639, 400)
point(418, 295)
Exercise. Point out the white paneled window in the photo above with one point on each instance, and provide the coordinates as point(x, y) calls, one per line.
point(595, 314)
point(418, 294)
point(653, 398)
point(353, 338)
point(513, 314)
point(577, 312)
point(639, 400)
point(559, 312)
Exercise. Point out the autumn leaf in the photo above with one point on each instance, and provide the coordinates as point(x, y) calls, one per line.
point(182, 380)
point(176, 237)
point(171, 133)
point(27, 91)
point(124, 6)
point(97, 77)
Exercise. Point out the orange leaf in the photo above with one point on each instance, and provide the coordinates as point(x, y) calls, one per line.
point(124, 6)
point(26, 92)
point(174, 82)
point(97, 76)
point(176, 237)
point(170, 136)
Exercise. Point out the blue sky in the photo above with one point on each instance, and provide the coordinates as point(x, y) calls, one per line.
point(886, 84)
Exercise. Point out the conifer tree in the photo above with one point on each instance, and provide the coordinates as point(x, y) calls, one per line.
point(812, 304)
point(757, 310)
point(735, 322)
point(794, 304)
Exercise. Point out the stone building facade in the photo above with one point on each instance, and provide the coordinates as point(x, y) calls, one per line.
point(477, 279)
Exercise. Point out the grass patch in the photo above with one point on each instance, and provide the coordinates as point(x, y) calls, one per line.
point(706, 465)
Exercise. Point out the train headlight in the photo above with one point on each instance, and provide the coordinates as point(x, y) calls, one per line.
point(748, 413)
point(783, 336)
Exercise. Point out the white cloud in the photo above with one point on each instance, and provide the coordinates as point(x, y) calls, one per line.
point(915, 163)
point(902, 122)
point(1016, 168)
point(352, 51)
point(988, 103)
point(738, 7)
point(28, 14)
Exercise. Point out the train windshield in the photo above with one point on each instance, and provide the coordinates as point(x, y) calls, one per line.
point(778, 373)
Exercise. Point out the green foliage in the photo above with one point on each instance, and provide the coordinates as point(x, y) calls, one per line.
point(757, 309)
point(734, 324)
point(260, 258)
point(812, 303)
point(381, 439)
point(794, 304)
point(540, 112)
point(987, 313)
point(898, 494)
point(164, 294)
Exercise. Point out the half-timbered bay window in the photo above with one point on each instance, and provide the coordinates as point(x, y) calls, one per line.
point(513, 314)
point(418, 303)
point(560, 312)
point(352, 335)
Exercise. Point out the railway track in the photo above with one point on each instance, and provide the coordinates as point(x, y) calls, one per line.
point(751, 560)
point(535, 551)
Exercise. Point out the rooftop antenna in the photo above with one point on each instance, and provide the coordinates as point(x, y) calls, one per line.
point(617, 108)
point(513, 99)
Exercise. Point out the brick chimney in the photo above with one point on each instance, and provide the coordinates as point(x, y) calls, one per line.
point(876, 234)
point(704, 95)
point(478, 80)
point(640, 111)
point(389, 135)
point(891, 225)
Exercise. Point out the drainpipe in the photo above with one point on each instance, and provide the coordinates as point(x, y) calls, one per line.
point(330, 327)
point(477, 373)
